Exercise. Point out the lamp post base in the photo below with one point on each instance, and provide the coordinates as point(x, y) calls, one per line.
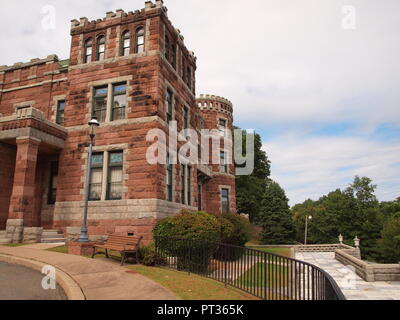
point(81, 249)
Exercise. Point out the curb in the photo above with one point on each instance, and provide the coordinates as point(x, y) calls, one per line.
point(70, 287)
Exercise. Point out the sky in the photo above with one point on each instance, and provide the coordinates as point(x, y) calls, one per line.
point(318, 80)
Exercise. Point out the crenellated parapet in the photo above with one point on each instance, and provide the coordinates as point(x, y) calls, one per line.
point(33, 62)
point(215, 103)
point(118, 15)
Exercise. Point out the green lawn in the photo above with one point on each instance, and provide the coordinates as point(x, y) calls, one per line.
point(191, 287)
point(279, 251)
point(61, 249)
point(255, 277)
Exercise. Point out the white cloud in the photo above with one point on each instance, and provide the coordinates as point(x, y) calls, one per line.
point(309, 167)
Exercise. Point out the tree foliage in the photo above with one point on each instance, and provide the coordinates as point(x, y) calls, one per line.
point(275, 216)
point(354, 211)
point(250, 188)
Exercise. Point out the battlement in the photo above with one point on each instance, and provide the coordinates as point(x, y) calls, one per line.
point(36, 61)
point(119, 14)
point(214, 103)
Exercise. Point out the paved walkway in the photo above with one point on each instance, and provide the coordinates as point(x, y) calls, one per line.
point(98, 280)
point(353, 287)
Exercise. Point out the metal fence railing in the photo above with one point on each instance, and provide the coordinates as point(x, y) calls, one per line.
point(265, 275)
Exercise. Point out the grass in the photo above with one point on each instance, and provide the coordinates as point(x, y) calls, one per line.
point(279, 251)
point(191, 287)
point(60, 249)
point(255, 276)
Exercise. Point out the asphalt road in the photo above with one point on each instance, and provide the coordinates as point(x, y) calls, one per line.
point(20, 283)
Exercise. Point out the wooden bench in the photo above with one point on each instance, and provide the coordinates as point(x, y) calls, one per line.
point(125, 245)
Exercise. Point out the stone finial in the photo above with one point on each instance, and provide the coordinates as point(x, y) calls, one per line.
point(148, 5)
point(340, 239)
point(356, 242)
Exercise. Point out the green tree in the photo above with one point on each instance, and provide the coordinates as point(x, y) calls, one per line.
point(250, 188)
point(275, 216)
point(389, 245)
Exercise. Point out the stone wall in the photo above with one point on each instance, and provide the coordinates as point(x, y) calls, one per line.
point(369, 271)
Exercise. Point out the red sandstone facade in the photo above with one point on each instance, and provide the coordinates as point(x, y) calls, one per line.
point(134, 72)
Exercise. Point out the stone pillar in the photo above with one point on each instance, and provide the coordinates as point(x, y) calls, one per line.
point(22, 204)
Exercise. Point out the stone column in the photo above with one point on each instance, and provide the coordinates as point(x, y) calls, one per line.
point(22, 204)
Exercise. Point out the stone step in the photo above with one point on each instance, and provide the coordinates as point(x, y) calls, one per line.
point(53, 240)
point(52, 235)
point(4, 241)
point(51, 231)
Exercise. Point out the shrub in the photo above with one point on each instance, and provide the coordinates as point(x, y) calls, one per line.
point(241, 230)
point(148, 255)
point(190, 237)
point(186, 225)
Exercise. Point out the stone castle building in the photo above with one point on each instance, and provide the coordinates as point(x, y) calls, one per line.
point(133, 72)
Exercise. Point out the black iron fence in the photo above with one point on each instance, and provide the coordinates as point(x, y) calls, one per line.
point(265, 275)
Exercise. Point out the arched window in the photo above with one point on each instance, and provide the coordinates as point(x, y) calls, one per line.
point(126, 43)
point(88, 50)
point(139, 40)
point(101, 48)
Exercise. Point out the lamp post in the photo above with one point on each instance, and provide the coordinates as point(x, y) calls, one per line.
point(93, 124)
point(306, 231)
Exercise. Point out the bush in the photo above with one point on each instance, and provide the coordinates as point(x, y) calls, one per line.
point(148, 255)
point(186, 225)
point(190, 237)
point(235, 230)
point(241, 230)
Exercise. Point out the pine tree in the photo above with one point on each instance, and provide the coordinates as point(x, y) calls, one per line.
point(275, 216)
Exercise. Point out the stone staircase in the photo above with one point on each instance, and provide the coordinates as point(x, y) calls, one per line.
point(3, 237)
point(52, 236)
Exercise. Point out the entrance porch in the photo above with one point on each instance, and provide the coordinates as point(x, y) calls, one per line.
point(29, 151)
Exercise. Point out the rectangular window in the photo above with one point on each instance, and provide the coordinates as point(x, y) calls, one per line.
point(60, 112)
point(189, 77)
point(173, 60)
point(169, 179)
point(115, 175)
point(119, 102)
point(100, 103)
point(185, 118)
point(223, 167)
point(166, 48)
point(51, 199)
point(200, 196)
point(222, 127)
point(96, 177)
point(183, 182)
point(169, 104)
point(189, 186)
point(225, 200)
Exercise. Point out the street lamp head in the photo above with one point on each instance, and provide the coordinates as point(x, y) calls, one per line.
point(93, 124)
point(309, 217)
